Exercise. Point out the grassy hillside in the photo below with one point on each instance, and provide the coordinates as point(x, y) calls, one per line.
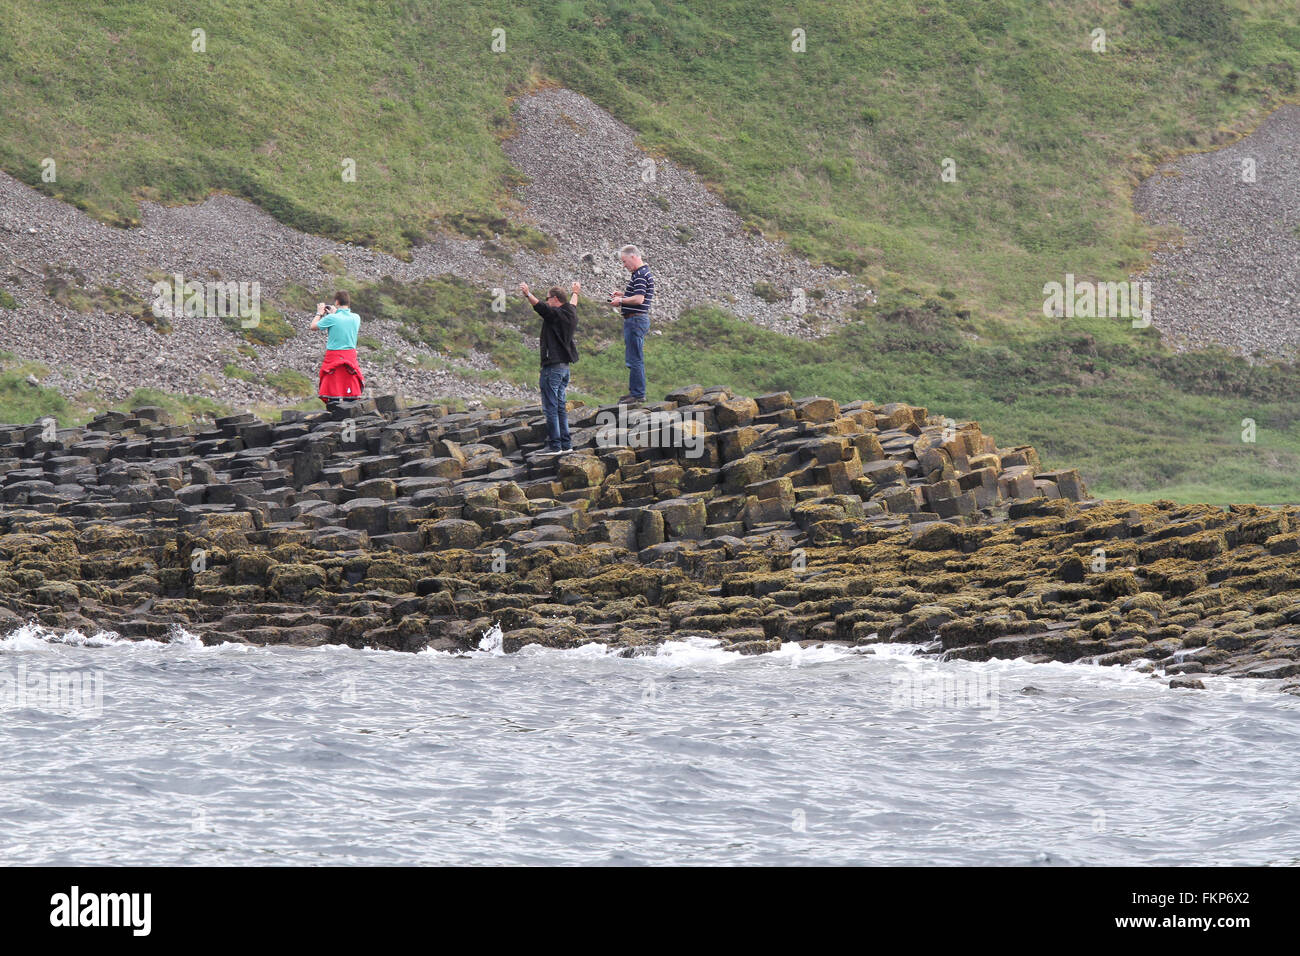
point(838, 149)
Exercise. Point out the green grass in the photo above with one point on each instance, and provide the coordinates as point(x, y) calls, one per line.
point(1137, 419)
point(22, 403)
point(231, 370)
point(839, 148)
point(181, 408)
point(7, 300)
point(116, 95)
point(269, 328)
point(291, 383)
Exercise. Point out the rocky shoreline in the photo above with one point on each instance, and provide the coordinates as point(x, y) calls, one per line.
point(754, 521)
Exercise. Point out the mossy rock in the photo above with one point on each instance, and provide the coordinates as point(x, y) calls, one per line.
point(575, 566)
point(20, 543)
point(233, 521)
point(230, 594)
point(57, 593)
point(452, 533)
point(27, 578)
point(553, 635)
point(293, 581)
point(251, 567)
point(621, 580)
point(389, 568)
point(141, 584)
point(1114, 584)
point(391, 585)
point(1147, 601)
point(132, 566)
point(1140, 617)
point(270, 327)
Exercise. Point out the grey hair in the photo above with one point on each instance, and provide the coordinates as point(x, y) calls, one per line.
point(629, 250)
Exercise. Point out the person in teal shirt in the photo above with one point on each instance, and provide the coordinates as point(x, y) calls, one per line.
point(342, 323)
point(340, 372)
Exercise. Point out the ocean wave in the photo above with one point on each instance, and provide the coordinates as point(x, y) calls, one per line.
point(691, 651)
point(33, 637)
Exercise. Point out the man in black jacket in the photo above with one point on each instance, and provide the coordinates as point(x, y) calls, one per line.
point(558, 348)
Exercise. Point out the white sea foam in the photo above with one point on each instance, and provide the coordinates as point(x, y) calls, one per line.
point(35, 637)
point(692, 651)
point(895, 650)
point(592, 649)
point(493, 641)
point(796, 655)
point(179, 637)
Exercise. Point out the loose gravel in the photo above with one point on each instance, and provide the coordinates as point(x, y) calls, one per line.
point(585, 189)
point(1234, 278)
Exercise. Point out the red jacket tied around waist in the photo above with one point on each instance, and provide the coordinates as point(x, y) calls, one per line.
point(340, 375)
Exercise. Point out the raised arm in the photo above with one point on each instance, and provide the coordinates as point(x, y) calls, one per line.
point(321, 311)
point(577, 287)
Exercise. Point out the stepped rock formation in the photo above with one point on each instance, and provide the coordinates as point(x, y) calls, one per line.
point(774, 519)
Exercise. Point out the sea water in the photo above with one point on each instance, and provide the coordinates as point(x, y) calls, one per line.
point(170, 752)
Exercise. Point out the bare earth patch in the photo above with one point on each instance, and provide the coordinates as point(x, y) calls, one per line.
point(1234, 279)
point(585, 190)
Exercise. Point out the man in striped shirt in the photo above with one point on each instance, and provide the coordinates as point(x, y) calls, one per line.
point(634, 302)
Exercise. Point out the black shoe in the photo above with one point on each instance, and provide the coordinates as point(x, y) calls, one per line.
point(631, 399)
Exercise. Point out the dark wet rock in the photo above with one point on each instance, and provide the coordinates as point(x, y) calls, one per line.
point(807, 521)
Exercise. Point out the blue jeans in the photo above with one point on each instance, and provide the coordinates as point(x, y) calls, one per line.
point(635, 328)
point(553, 382)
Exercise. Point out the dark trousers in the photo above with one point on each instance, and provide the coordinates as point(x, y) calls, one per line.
point(635, 328)
point(554, 382)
